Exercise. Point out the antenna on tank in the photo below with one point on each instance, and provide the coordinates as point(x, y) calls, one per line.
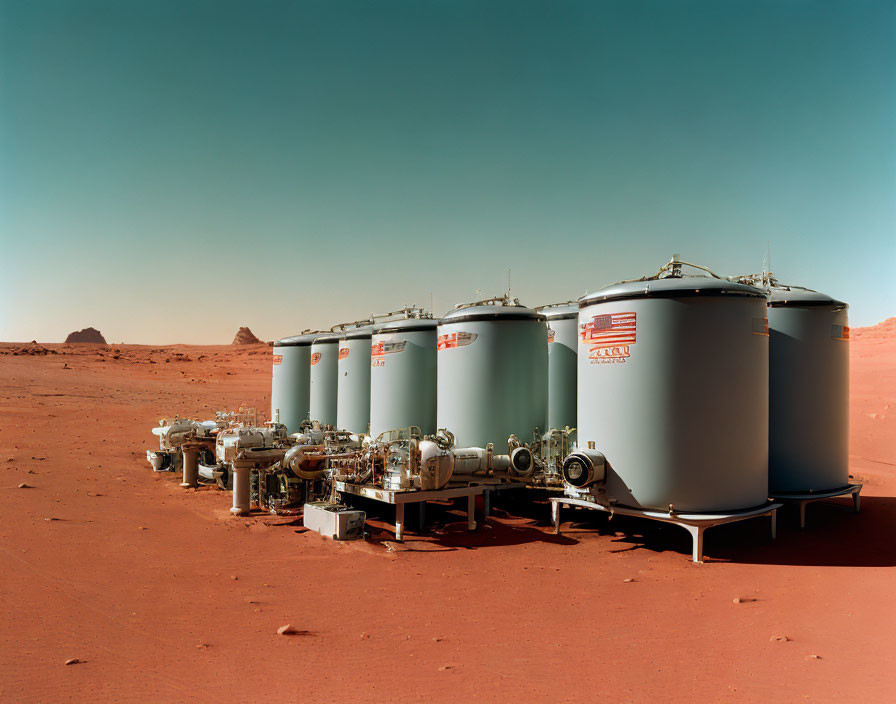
point(508, 283)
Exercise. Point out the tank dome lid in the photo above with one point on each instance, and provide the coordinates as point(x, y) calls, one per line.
point(356, 333)
point(494, 309)
point(406, 325)
point(326, 338)
point(302, 340)
point(801, 297)
point(671, 287)
point(559, 311)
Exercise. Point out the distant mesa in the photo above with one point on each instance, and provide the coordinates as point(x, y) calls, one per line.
point(91, 335)
point(244, 336)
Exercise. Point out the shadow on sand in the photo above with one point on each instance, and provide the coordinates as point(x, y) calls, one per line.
point(834, 535)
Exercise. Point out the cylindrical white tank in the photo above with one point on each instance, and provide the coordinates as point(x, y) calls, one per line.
point(353, 404)
point(563, 343)
point(492, 374)
point(291, 381)
point(808, 392)
point(672, 379)
point(323, 375)
point(403, 376)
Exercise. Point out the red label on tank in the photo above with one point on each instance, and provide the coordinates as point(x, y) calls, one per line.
point(278, 358)
point(760, 326)
point(343, 352)
point(840, 332)
point(380, 349)
point(609, 337)
point(455, 339)
point(550, 336)
point(315, 358)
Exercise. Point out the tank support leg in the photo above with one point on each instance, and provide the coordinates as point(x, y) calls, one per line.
point(696, 540)
point(486, 504)
point(399, 522)
point(856, 502)
point(191, 467)
point(240, 491)
point(774, 523)
point(555, 516)
point(802, 514)
point(471, 512)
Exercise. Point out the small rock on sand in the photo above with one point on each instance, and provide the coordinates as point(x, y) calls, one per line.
point(628, 579)
point(286, 630)
point(779, 639)
point(23, 485)
point(73, 661)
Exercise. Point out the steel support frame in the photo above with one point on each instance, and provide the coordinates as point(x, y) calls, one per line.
point(695, 523)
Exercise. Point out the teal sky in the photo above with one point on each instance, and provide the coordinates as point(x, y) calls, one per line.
point(171, 170)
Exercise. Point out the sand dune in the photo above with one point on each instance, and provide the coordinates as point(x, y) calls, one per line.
point(165, 598)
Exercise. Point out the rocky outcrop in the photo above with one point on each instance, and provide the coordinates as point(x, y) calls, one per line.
point(90, 335)
point(244, 336)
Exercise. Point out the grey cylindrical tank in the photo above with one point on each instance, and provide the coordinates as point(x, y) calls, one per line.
point(403, 376)
point(563, 345)
point(673, 376)
point(492, 374)
point(808, 392)
point(353, 405)
point(291, 381)
point(323, 362)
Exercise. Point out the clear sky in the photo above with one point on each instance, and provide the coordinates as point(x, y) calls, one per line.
point(173, 169)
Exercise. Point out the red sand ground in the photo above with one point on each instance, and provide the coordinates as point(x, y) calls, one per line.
point(165, 598)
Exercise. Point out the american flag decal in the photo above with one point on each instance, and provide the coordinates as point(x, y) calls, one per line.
point(453, 340)
point(610, 330)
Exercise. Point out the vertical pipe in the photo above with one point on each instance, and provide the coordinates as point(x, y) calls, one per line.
point(191, 467)
point(240, 491)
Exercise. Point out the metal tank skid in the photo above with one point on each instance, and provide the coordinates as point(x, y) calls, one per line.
point(291, 380)
point(403, 374)
point(492, 372)
point(562, 322)
point(323, 377)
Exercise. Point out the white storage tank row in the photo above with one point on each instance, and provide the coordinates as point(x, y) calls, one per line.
point(704, 394)
point(481, 372)
point(707, 395)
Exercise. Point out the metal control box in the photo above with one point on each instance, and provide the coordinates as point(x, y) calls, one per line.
point(335, 521)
